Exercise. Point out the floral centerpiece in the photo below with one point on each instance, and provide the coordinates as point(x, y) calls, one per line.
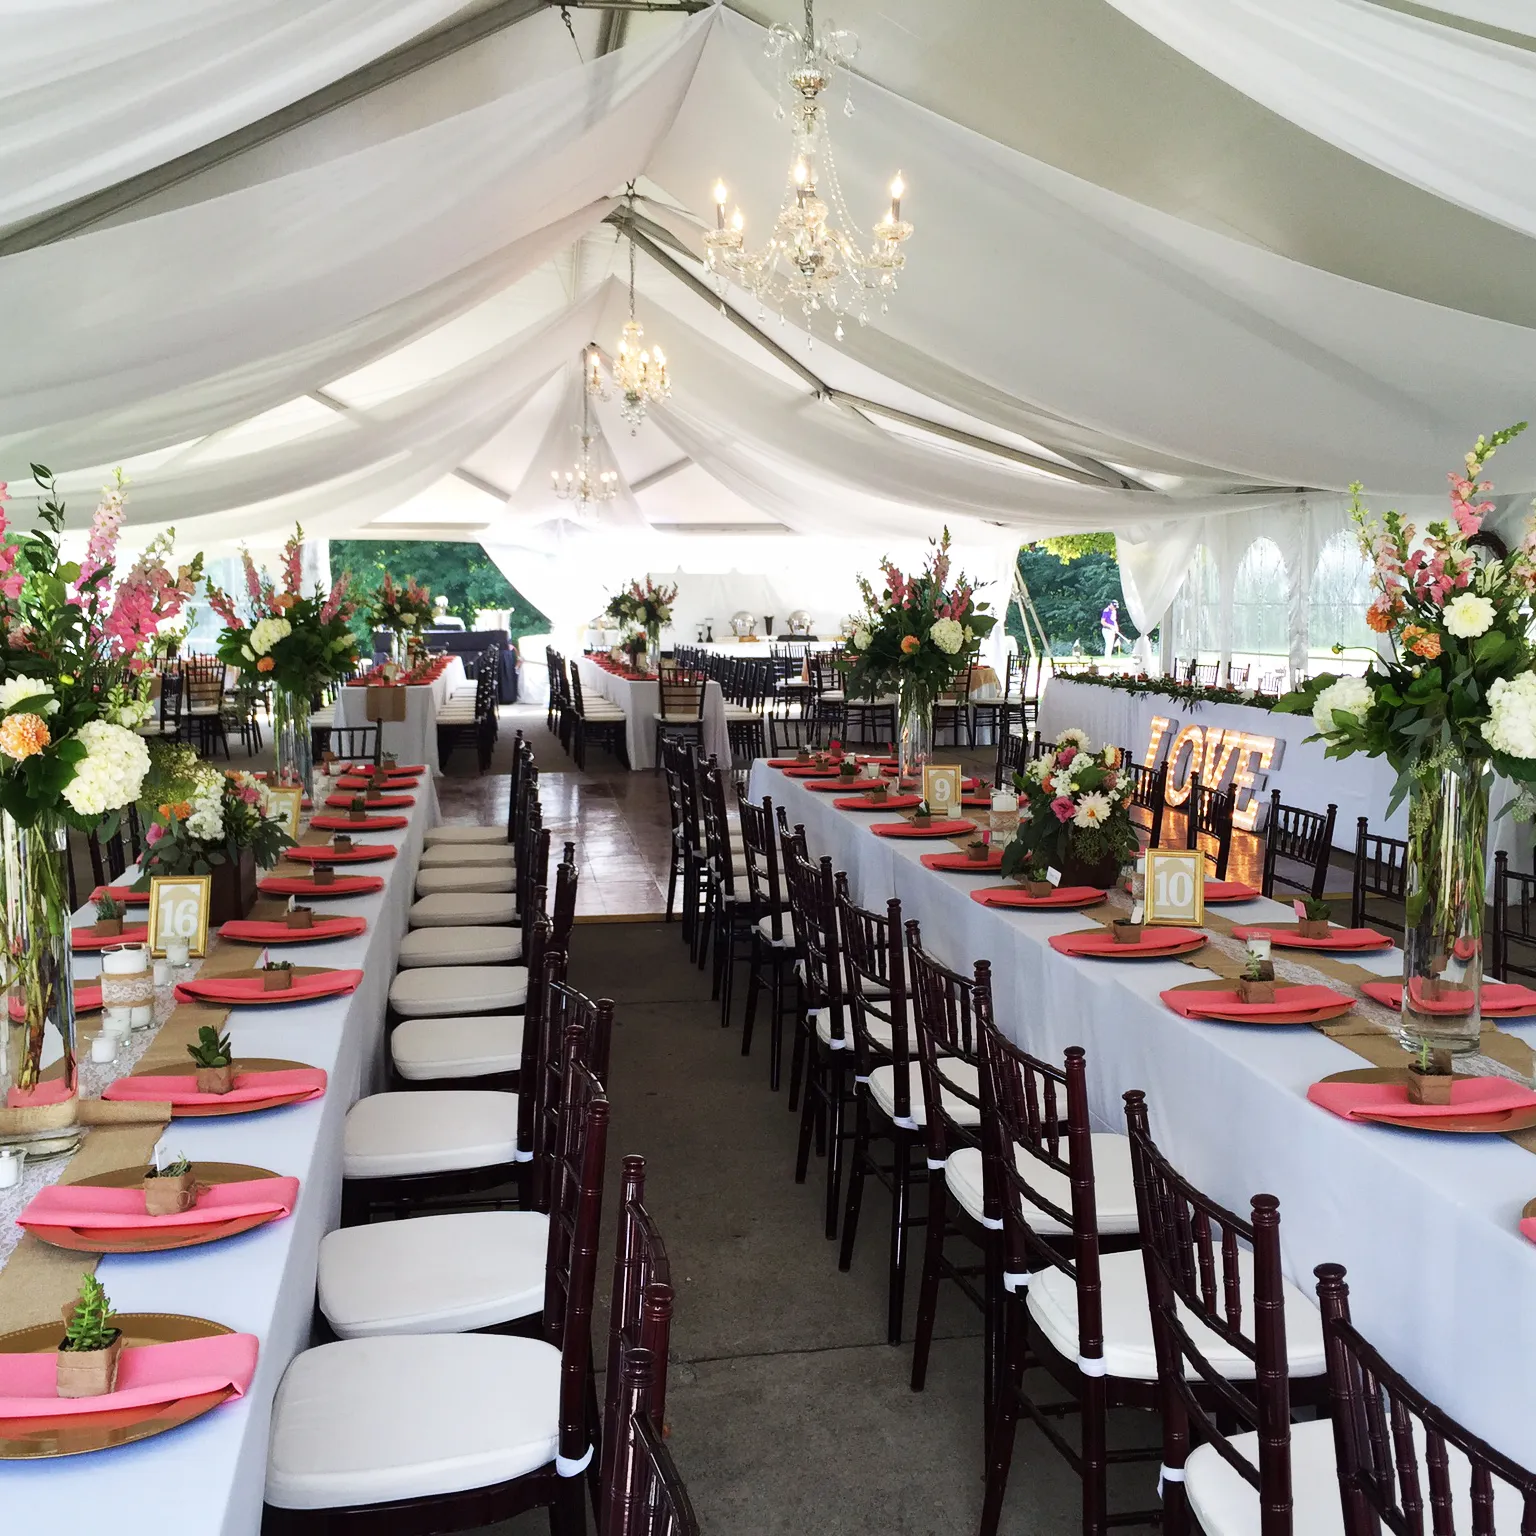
point(646, 609)
point(72, 689)
point(1074, 815)
point(297, 643)
point(1453, 700)
point(914, 640)
point(206, 820)
point(404, 610)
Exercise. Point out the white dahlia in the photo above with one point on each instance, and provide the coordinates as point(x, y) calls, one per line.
point(1074, 737)
point(1092, 810)
point(112, 771)
point(1468, 616)
point(15, 689)
point(1348, 696)
point(1511, 723)
point(948, 635)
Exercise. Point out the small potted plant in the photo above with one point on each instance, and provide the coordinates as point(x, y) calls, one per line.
point(323, 874)
point(391, 762)
point(214, 1060)
point(170, 1190)
point(1315, 924)
point(922, 816)
point(358, 810)
point(109, 918)
point(978, 850)
point(1430, 1076)
point(847, 770)
point(300, 917)
point(879, 793)
point(88, 1355)
point(804, 755)
point(1253, 986)
point(835, 751)
point(1127, 931)
point(342, 842)
point(277, 976)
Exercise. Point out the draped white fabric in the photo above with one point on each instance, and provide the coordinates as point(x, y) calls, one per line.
point(1448, 110)
point(99, 90)
point(1142, 330)
point(186, 296)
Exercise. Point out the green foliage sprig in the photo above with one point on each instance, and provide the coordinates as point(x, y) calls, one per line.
point(211, 1049)
point(90, 1327)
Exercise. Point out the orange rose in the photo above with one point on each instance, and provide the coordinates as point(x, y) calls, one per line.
point(266, 664)
point(1378, 619)
point(285, 601)
point(1422, 642)
point(909, 644)
point(23, 736)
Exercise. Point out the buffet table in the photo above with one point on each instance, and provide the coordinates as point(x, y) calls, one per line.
point(1426, 1224)
point(208, 1475)
point(640, 698)
point(414, 739)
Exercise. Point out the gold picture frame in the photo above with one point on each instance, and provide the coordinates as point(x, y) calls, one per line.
point(1174, 895)
point(942, 789)
point(288, 801)
point(178, 909)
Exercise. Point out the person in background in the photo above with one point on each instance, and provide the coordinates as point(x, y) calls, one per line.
point(1109, 621)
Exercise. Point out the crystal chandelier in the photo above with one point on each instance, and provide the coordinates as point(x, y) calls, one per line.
point(584, 483)
point(816, 257)
point(639, 372)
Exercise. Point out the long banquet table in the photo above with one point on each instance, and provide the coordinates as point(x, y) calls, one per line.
point(414, 739)
point(640, 699)
point(1427, 1224)
point(208, 1476)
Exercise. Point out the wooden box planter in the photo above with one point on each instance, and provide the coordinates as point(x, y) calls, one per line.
point(170, 1194)
point(89, 1372)
point(232, 889)
point(1127, 932)
point(1255, 991)
point(215, 1079)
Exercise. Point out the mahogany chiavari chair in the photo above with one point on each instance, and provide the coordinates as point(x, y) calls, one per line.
point(728, 914)
point(1065, 1198)
point(458, 1427)
point(888, 1093)
point(998, 714)
point(1013, 757)
point(1512, 943)
point(1236, 1345)
point(656, 1501)
point(1208, 813)
point(1149, 793)
point(1302, 837)
point(1403, 1464)
point(1381, 871)
point(772, 933)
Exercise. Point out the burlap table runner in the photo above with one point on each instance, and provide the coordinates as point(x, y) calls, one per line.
point(38, 1280)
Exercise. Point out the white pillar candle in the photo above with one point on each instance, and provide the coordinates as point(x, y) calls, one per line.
point(124, 960)
point(11, 1161)
point(162, 973)
point(141, 1016)
point(178, 951)
point(116, 1021)
point(104, 1047)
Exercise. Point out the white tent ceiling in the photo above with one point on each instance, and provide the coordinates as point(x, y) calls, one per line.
point(1145, 259)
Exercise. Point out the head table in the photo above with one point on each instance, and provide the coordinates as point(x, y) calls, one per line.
point(1427, 1224)
point(640, 698)
point(207, 1476)
point(414, 739)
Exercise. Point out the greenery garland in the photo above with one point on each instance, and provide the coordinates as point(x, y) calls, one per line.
point(1186, 693)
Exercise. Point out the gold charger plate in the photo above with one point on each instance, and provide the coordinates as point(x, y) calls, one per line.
point(245, 1063)
point(1496, 1124)
point(115, 1240)
point(75, 1434)
point(1300, 1016)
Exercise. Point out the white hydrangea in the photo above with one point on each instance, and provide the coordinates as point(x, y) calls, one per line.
point(1348, 696)
point(861, 638)
point(1468, 616)
point(948, 635)
point(206, 819)
point(112, 771)
point(15, 689)
point(1511, 723)
point(265, 633)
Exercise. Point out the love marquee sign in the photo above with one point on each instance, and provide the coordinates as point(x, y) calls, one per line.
point(1224, 759)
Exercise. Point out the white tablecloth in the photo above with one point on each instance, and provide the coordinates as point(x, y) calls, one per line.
point(414, 739)
point(1441, 1280)
point(640, 701)
point(207, 1477)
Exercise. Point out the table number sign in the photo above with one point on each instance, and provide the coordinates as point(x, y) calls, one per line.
point(1175, 887)
point(287, 804)
point(941, 789)
point(178, 912)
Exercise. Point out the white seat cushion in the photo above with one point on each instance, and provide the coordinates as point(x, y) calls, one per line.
point(368, 1421)
point(425, 992)
point(467, 856)
point(450, 909)
point(438, 835)
point(741, 712)
point(882, 1089)
point(1128, 1348)
point(1227, 1505)
point(433, 1274)
point(1114, 1189)
point(597, 710)
point(390, 1135)
point(677, 719)
point(879, 1032)
point(488, 877)
point(460, 946)
point(456, 714)
point(786, 939)
point(467, 1045)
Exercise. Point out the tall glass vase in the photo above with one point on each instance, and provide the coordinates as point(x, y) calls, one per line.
point(653, 651)
point(291, 739)
point(37, 1064)
point(1443, 946)
point(397, 647)
point(915, 728)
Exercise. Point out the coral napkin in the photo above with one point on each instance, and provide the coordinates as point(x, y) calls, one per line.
point(360, 853)
point(936, 829)
point(372, 803)
point(248, 930)
point(1196, 1005)
point(250, 1087)
point(1498, 996)
point(251, 989)
point(890, 803)
point(367, 824)
point(86, 1205)
point(147, 1374)
point(1017, 896)
point(1339, 938)
point(302, 885)
point(123, 893)
point(400, 770)
point(1229, 890)
point(83, 941)
point(87, 1000)
point(959, 863)
point(1370, 1101)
